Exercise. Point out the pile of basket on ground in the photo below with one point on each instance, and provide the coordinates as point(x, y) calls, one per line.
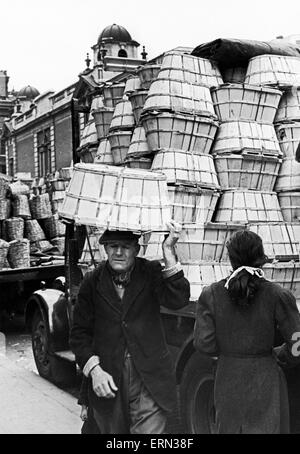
point(29, 222)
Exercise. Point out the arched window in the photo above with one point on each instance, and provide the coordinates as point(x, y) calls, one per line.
point(122, 53)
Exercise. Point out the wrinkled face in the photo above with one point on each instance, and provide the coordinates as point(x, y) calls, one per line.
point(121, 254)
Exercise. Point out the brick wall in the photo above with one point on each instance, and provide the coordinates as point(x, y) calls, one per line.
point(63, 140)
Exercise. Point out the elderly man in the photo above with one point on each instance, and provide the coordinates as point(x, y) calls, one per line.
point(118, 338)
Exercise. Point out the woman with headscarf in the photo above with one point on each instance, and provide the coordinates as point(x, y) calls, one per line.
point(236, 321)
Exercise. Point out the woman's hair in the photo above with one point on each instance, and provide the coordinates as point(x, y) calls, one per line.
point(245, 248)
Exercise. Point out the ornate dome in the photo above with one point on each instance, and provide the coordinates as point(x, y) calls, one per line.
point(116, 32)
point(29, 92)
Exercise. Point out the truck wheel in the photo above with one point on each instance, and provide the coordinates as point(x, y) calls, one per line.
point(50, 367)
point(41, 345)
point(197, 395)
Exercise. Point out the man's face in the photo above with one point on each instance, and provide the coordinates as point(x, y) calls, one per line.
point(121, 255)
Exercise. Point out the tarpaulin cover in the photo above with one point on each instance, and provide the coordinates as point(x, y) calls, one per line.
point(236, 52)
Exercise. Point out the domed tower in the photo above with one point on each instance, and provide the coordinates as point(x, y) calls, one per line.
point(28, 92)
point(115, 51)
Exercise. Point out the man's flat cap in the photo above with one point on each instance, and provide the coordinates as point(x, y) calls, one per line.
point(118, 235)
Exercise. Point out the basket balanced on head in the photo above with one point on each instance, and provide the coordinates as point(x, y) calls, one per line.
point(117, 198)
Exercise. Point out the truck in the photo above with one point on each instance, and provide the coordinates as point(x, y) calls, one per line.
point(49, 316)
point(18, 284)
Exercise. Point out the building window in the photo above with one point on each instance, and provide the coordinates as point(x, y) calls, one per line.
point(44, 152)
point(122, 53)
point(11, 166)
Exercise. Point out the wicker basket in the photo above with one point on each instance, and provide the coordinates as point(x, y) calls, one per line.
point(59, 243)
point(89, 134)
point(19, 188)
point(137, 99)
point(289, 176)
point(197, 243)
point(3, 253)
point(113, 94)
point(238, 205)
point(40, 206)
point(201, 275)
point(5, 208)
point(192, 204)
point(117, 198)
point(4, 188)
point(182, 167)
point(178, 96)
point(58, 184)
point(187, 68)
point(181, 131)
point(276, 70)
point(148, 73)
point(42, 245)
point(19, 253)
point(245, 102)
point(235, 75)
point(104, 155)
point(132, 83)
point(103, 119)
point(139, 146)
point(53, 227)
point(21, 206)
point(138, 163)
point(237, 136)
point(289, 202)
point(123, 116)
point(119, 145)
point(289, 138)
point(57, 199)
point(247, 170)
point(87, 153)
point(285, 274)
point(289, 106)
point(14, 229)
point(33, 231)
point(278, 239)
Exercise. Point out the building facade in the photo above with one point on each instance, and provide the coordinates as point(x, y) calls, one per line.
point(43, 131)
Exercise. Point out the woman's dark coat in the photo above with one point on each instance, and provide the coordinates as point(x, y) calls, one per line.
point(105, 325)
point(250, 388)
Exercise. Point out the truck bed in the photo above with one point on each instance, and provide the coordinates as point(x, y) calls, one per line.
point(40, 272)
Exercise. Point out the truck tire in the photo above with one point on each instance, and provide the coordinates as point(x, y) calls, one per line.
point(196, 395)
point(50, 367)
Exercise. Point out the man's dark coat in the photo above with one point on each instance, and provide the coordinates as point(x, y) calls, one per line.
point(104, 325)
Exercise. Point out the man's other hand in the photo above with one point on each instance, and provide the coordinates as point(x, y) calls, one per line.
point(103, 383)
point(175, 231)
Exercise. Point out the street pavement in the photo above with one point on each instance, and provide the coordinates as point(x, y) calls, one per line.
point(32, 405)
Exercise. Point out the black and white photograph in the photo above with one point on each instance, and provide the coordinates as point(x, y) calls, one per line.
point(149, 220)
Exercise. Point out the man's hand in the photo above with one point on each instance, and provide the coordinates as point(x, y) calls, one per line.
point(103, 383)
point(175, 230)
